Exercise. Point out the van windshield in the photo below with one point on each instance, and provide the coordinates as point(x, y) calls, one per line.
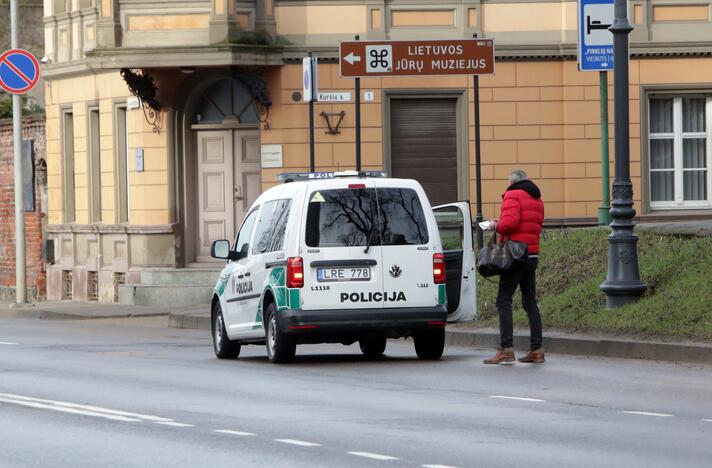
point(348, 217)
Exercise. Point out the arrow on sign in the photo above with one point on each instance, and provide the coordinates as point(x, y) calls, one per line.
point(351, 58)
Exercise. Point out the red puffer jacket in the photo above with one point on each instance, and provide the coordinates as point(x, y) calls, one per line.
point(522, 214)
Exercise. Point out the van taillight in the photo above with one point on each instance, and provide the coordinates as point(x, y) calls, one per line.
point(295, 272)
point(438, 268)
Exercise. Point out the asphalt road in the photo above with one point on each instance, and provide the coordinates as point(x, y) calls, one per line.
point(133, 392)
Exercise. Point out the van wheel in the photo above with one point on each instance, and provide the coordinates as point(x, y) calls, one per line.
point(280, 347)
point(429, 345)
point(373, 347)
point(224, 348)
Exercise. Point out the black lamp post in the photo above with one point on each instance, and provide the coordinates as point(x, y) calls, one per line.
point(623, 284)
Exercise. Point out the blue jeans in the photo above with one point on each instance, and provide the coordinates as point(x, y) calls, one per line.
point(523, 274)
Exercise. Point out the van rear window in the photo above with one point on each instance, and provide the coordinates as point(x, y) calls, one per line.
point(348, 217)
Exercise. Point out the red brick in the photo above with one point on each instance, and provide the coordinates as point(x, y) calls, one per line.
point(34, 129)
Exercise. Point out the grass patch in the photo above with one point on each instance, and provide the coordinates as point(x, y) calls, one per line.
point(677, 304)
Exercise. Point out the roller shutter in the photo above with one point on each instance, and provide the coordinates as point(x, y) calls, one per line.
point(424, 145)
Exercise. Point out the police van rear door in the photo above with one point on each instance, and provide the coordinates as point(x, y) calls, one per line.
point(455, 226)
point(340, 246)
point(408, 247)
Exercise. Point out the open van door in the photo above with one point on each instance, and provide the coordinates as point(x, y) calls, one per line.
point(455, 225)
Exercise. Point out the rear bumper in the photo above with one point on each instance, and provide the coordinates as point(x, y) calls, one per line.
point(392, 322)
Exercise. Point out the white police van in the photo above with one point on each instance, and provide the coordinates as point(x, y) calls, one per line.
point(341, 258)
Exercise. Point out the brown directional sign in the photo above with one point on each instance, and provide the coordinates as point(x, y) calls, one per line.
point(417, 58)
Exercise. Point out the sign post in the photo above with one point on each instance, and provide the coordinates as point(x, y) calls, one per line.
point(19, 73)
point(309, 70)
point(357, 90)
point(595, 53)
point(421, 58)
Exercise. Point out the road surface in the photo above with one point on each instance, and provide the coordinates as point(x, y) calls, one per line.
point(134, 392)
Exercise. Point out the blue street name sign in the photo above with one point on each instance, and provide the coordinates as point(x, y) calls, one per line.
point(595, 41)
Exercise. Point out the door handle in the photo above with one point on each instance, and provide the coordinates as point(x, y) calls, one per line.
point(236, 193)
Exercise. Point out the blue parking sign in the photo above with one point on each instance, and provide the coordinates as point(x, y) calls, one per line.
point(595, 41)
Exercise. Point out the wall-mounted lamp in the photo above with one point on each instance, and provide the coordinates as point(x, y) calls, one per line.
point(187, 70)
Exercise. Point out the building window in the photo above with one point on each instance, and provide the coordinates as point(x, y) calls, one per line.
point(680, 151)
point(94, 166)
point(68, 166)
point(92, 285)
point(227, 101)
point(121, 165)
point(67, 285)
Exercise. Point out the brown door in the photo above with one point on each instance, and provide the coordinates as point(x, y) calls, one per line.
point(247, 178)
point(424, 145)
point(216, 217)
point(228, 183)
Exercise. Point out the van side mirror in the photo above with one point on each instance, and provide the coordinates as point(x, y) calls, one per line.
point(221, 249)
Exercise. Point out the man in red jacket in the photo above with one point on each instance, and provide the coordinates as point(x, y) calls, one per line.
point(521, 218)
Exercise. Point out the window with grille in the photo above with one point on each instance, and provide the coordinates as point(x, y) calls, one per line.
point(680, 151)
point(66, 284)
point(119, 278)
point(93, 286)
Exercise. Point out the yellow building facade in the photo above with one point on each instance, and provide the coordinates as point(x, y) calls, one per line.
point(140, 184)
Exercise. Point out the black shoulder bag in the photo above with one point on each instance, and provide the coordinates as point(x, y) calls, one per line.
point(496, 258)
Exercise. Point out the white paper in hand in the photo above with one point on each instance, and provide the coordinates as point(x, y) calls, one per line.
point(486, 225)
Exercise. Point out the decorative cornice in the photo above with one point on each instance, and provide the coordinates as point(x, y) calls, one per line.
point(254, 55)
point(537, 52)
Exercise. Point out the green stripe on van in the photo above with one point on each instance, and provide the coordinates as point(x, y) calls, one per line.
point(442, 294)
point(294, 299)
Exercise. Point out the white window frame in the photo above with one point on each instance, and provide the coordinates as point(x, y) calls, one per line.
point(678, 136)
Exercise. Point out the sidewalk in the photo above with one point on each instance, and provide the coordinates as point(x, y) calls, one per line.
point(67, 310)
point(587, 345)
point(480, 338)
point(554, 342)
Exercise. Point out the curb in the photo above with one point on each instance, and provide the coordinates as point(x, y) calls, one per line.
point(588, 346)
point(56, 315)
point(189, 321)
point(566, 344)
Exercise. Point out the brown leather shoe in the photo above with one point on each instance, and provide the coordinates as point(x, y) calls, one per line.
point(503, 356)
point(536, 356)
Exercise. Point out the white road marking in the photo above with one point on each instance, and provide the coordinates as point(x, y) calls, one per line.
point(438, 466)
point(374, 456)
point(301, 443)
point(645, 413)
point(173, 423)
point(503, 397)
point(237, 433)
point(7, 343)
point(96, 409)
point(707, 420)
point(62, 409)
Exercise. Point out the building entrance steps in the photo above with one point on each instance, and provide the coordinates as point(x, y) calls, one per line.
point(171, 287)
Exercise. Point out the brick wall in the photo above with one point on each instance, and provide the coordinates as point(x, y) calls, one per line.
point(33, 128)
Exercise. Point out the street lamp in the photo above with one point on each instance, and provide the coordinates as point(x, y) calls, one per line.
point(622, 284)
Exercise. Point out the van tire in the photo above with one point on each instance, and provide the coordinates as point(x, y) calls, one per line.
point(373, 347)
point(430, 344)
point(222, 345)
point(280, 347)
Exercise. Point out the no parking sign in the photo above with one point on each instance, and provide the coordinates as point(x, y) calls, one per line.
point(19, 71)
